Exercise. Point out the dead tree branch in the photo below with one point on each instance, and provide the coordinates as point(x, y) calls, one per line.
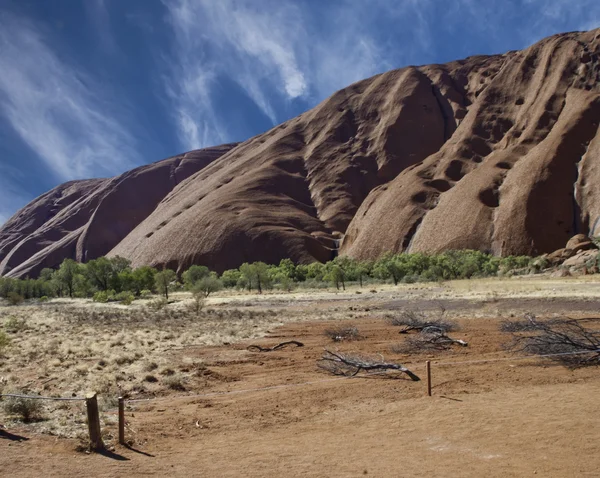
point(556, 336)
point(430, 339)
point(350, 365)
point(258, 348)
point(416, 320)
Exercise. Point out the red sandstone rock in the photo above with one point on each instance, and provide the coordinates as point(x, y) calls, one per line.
point(497, 153)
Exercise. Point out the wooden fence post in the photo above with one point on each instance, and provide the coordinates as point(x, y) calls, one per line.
point(428, 368)
point(121, 420)
point(93, 416)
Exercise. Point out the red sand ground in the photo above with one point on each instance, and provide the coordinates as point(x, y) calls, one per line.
point(504, 418)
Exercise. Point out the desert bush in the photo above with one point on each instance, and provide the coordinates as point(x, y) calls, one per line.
point(15, 325)
point(44, 298)
point(26, 409)
point(101, 296)
point(126, 298)
point(198, 302)
point(145, 294)
point(4, 341)
point(340, 334)
point(14, 298)
point(158, 304)
point(174, 382)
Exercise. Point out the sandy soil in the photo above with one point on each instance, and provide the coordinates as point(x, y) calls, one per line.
point(277, 413)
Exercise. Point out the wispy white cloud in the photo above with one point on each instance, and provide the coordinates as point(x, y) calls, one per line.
point(99, 17)
point(61, 113)
point(12, 196)
point(271, 49)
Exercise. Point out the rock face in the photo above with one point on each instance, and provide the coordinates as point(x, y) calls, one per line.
point(497, 153)
point(86, 219)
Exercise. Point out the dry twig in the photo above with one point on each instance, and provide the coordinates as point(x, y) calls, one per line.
point(258, 348)
point(566, 339)
point(416, 320)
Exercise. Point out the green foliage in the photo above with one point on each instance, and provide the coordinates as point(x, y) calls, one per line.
point(163, 281)
point(193, 275)
point(4, 341)
point(231, 277)
point(207, 285)
point(256, 275)
point(66, 274)
point(113, 279)
point(126, 298)
point(15, 325)
point(104, 273)
point(158, 303)
point(101, 296)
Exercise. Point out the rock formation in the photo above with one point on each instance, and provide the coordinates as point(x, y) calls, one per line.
point(497, 153)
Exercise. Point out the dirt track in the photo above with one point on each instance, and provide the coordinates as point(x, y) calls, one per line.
point(504, 418)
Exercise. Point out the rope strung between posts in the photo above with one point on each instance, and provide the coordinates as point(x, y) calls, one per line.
point(515, 358)
point(259, 389)
point(37, 397)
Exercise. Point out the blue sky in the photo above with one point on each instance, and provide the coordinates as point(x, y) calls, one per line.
point(91, 88)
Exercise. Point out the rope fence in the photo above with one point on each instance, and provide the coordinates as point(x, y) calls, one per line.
point(37, 397)
point(93, 414)
point(94, 417)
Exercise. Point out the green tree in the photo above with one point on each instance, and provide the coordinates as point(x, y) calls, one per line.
point(163, 280)
point(143, 279)
point(389, 267)
point(99, 272)
point(231, 277)
point(207, 285)
point(66, 275)
point(193, 275)
point(257, 275)
point(335, 274)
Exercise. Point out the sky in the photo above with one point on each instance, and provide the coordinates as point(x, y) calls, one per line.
point(92, 88)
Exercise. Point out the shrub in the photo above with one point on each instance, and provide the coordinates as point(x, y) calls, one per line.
point(126, 298)
point(44, 298)
point(14, 298)
point(26, 409)
point(343, 333)
point(14, 325)
point(207, 286)
point(198, 302)
point(101, 296)
point(174, 382)
point(4, 341)
point(145, 294)
point(158, 304)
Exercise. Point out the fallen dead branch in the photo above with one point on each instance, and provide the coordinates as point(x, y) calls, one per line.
point(350, 365)
point(430, 339)
point(415, 320)
point(258, 348)
point(565, 340)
